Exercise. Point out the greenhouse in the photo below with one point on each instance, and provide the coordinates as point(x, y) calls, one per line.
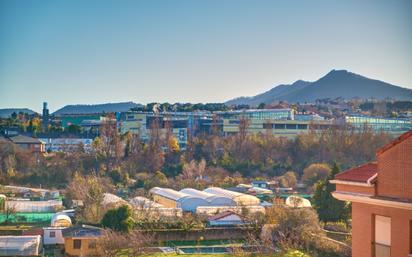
point(214, 200)
point(238, 198)
point(174, 199)
point(20, 245)
point(24, 205)
point(61, 220)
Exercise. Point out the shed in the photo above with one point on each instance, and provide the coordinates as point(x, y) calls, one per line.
point(238, 198)
point(53, 236)
point(20, 245)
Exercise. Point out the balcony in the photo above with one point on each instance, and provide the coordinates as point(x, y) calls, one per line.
point(382, 250)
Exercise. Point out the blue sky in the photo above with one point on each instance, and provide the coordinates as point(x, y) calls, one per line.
point(85, 51)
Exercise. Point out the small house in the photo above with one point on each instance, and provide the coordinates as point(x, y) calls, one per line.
point(227, 218)
point(81, 240)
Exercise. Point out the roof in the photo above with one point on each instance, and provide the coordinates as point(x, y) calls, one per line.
point(362, 173)
point(82, 231)
point(398, 140)
point(112, 199)
point(25, 140)
point(20, 245)
point(143, 202)
point(222, 215)
point(168, 193)
point(197, 193)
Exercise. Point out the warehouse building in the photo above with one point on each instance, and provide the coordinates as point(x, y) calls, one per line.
point(214, 200)
point(238, 198)
point(175, 199)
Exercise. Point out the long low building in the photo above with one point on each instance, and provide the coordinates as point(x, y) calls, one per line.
point(212, 210)
point(240, 199)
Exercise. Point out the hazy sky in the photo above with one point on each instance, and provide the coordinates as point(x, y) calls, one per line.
point(68, 52)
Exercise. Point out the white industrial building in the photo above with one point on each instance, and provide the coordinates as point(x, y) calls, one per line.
point(175, 199)
point(214, 200)
point(239, 198)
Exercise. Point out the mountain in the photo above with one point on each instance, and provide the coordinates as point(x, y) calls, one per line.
point(95, 108)
point(337, 83)
point(7, 112)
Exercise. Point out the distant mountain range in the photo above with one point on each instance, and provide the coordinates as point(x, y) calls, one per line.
point(6, 113)
point(96, 108)
point(337, 83)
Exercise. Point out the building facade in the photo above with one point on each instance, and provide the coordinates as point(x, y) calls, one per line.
point(381, 196)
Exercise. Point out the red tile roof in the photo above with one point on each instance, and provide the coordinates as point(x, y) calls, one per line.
point(359, 174)
point(222, 215)
point(394, 142)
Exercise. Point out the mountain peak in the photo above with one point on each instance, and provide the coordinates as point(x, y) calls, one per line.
point(337, 72)
point(336, 83)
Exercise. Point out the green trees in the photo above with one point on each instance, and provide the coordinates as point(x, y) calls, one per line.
point(119, 219)
point(329, 208)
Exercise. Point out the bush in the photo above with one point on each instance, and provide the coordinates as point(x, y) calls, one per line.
point(119, 219)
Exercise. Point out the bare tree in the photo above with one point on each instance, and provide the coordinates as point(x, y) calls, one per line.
point(113, 244)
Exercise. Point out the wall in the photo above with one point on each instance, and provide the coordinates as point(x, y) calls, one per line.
point(83, 251)
point(363, 229)
point(58, 239)
point(355, 189)
point(227, 233)
point(395, 171)
point(164, 201)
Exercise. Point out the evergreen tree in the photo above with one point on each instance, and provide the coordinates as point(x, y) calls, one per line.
point(119, 219)
point(329, 208)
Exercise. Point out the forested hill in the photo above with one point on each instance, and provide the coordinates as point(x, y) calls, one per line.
point(96, 108)
point(337, 83)
point(7, 112)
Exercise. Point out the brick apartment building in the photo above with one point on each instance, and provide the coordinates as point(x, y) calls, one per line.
point(381, 196)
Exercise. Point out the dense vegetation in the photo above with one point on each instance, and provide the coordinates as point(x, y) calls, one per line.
point(208, 159)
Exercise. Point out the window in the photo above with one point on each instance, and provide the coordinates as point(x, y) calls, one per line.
point(52, 234)
point(382, 236)
point(290, 126)
point(77, 244)
point(302, 126)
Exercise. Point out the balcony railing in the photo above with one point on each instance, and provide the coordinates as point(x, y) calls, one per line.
point(382, 250)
